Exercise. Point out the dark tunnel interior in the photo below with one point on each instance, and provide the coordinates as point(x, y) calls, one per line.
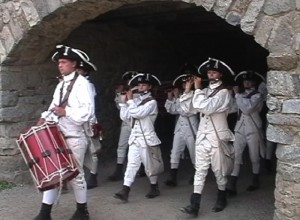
point(159, 37)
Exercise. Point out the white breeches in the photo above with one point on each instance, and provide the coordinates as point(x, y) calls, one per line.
point(78, 147)
point(136, 156)
point(242, 139)
point(207, 155)
point(181, 141)
point(123, 143)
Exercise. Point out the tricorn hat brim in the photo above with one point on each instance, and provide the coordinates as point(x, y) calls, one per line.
point(217, 65)
point(144, 78)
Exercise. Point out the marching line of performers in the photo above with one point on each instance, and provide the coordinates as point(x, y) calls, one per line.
point(202, 98)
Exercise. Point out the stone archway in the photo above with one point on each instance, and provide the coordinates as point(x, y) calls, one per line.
point(29, 30)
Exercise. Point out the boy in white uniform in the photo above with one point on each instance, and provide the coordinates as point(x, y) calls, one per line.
point(142, 112)
point(213, 105)
point(248, 129)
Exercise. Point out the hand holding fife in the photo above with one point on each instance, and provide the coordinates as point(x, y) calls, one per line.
point(129, 94)
point(188, 85)
point(197, 82)
point(176, 92)
point(236, 89)
point(170, 95)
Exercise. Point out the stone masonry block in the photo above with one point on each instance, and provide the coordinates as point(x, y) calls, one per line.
point(291, 106)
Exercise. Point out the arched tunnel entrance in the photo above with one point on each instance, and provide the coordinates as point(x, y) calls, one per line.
point(159, 38)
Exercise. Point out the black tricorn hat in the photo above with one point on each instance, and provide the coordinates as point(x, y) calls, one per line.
point(129, 75)
point(65, 52)
point(87, 66)
point(249, 75)
point(188, 68)
point(181, 79)
point(144, 78)
point(217, 65)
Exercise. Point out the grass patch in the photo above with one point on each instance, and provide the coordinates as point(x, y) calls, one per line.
point(6, 185)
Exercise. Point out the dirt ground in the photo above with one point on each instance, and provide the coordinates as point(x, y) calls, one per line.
point(23, 202)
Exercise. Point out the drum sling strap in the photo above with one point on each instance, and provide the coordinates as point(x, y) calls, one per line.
point(142, 103)
point(218, 89)
point(63, 101)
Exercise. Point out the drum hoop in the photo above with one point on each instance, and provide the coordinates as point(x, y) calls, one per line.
point(60, 172)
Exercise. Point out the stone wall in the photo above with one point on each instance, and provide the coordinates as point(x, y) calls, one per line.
point(28, 27)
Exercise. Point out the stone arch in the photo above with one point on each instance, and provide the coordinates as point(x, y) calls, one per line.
point(274, 25)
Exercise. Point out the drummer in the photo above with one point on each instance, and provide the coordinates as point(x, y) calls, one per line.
point(71, 108)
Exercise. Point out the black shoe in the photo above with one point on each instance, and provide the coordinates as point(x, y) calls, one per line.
point(172, 180)
point(79, 215)
point(81, 212)
point(123, 194)
point(255, 183)
point(118, 174)
point(41, 216)
point(221, 201)
point(92, 182)
point(45, 212)
point(193, 208)
point(231, 186)
point(154, 191)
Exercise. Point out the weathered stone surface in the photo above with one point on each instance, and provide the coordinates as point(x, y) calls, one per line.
point(30, 12)
point(263, 31)
point(13, 130)
point(284, 119)
point(281, 134)
point(233, 18)
point(274, 104)
point(274, 7)
point(8, 99)
point(282, 61)
point(283, 83)
point(208, 4)
point(291, 106)
point(7, 37)
point(221, 7)
point(288, 154)
point(281, 38)
point(288, 171)
point(8, 147)
point(286, 199)
point(249, 20)
point(53, 5)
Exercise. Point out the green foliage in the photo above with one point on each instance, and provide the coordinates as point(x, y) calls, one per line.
point(6, 185)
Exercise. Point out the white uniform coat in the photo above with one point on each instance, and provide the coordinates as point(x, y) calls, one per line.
point(248, 129)
point(142, 134)
point(79, 110)
point(185, 131)
point(207, 150)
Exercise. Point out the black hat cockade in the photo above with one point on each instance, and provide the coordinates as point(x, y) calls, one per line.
point(65, 52)
point(249, 75)
point(129, 75)
point(144, 78)
point(217, 65)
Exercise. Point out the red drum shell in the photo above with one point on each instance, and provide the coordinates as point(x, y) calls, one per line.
point(47, 155)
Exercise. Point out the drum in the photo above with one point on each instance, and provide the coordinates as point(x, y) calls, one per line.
point(47, 155)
